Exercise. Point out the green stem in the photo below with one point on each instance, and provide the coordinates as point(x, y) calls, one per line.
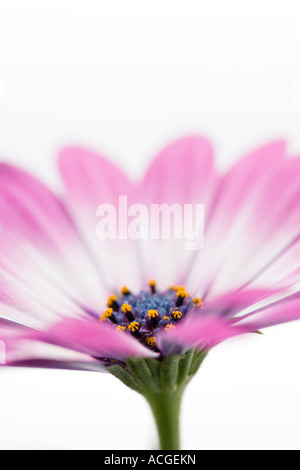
point(166, 410)
point(162, 383)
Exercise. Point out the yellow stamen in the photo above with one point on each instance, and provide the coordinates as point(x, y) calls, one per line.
point(166, 318)
point(172, 288)
point(152, 285)
point(181, 293)
point(198, 302)
point(177, 314)
point(151, 341)
point(125, 290)
point(121, 328)
point(106, 314)
point(152, 313)
point(133, 326)
point(126, 308)
point(180, 288)
point(170, 327)
point(111, 300)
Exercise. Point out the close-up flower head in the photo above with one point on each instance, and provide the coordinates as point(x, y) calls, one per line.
point(149, 227)
point(142, 278)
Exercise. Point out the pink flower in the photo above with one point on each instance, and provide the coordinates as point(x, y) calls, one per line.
point(61, 298)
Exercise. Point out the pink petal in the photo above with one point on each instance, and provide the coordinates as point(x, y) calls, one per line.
point(236, 301)
point(283, 271)
point(66, 364)
point(280, 312)
point(18, 303)
point(292, 278)
point(42, 259)
point(248, 228)
point(92, 338)
point(91, 180)
point(26, 353)
point(199, 330)
point(183, 173)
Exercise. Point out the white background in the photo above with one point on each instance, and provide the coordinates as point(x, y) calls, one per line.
point(125, 77)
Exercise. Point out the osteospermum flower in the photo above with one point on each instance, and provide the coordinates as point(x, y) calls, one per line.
point(147, 310)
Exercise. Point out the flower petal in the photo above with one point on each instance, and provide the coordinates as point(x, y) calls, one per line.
point(42, 257)
point(202, 331)
point(20, 352)
point(234, 302)
point(92, 338)
point(254, 217)
point(91, 181)
point(283, 311)
point(283, 270)
point(183, 173)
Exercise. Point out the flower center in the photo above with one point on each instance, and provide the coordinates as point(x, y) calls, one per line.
point(145, 314)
